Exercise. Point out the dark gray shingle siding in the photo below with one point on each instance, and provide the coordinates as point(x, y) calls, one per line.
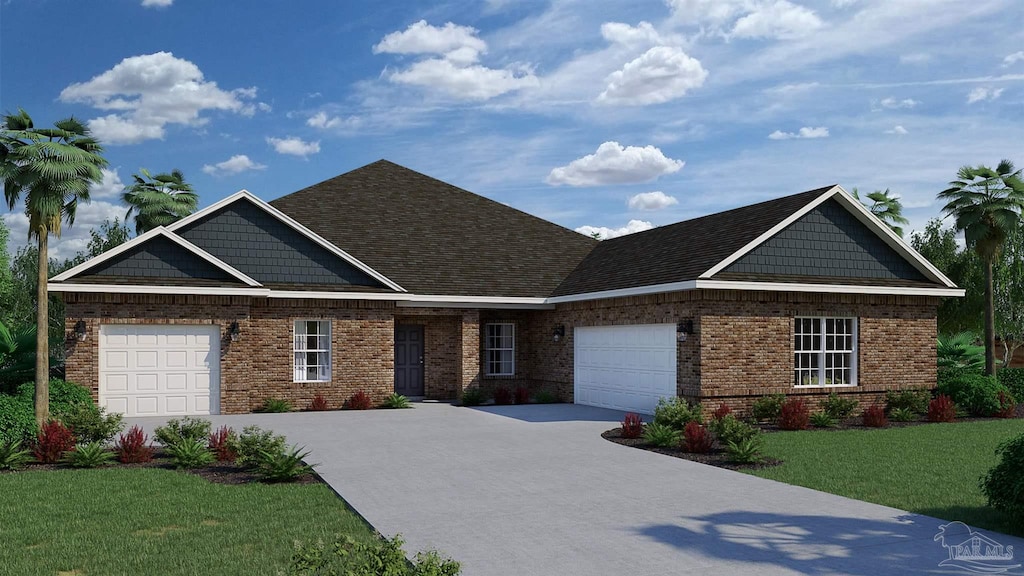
point(828, 241)
point(268, 250)
point(159, 258)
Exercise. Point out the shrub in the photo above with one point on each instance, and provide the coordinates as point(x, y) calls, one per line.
point(915, 401)
point(874, 416)
point(903, 415)
point(745, 452)
point(283, 465)
point(222, 443)
point(17, 420)
point(397, 401)
point(63, 394)
point(1003, 485)
point(252, 441)
point(319, 404)
point(13, 456)
point(696, 438)
point(767, 408)
point(1013, 379)
point(731, 429)
point(132, 448)
point(179, 429)
point(977, 394)
point(89, 423)
point(941, 409)
point(1007, 405)
point(275, 406)
point(378, 556)
point(91, 455)
point(794, 415)
point(721, 412)
point(838, 407)
point(503, 396)
point(522, 395)
point(545, 397)
point(632, 426)
point(677, 413)
point(53, 441)
point(661, 435)
point(822, 420)
point(472, 397)
point(360, 401)
point(190, 453)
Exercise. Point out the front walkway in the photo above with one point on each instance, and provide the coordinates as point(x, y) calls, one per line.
point(535, 490)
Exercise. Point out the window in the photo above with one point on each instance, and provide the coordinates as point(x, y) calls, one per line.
point(500, 349)
point(312, 347)
point(825, 352)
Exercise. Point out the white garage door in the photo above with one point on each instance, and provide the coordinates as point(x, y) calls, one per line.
point(625, 367)
point(160, 370)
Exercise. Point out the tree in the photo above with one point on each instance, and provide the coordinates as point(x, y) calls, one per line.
point(6, 284)
point(986, 205)
point(938, 244)
point(53, 169)
point(886, 207)
point(110, 234)
point(158, 200)
point(1009, 294)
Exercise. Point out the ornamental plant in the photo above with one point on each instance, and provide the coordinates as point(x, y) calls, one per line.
point(696, 438)
point(319, 403)
point(53, 441)
point(503, 396)
point(1007, 405)
point(874, 416)
point(360, 401)
point(721, 412)
point(941, 409)
point(632, 426)
point(768, 408)
point(794, 415)
point(132, 447)
point(522, 395)
point(222, 443)
point(838, 407)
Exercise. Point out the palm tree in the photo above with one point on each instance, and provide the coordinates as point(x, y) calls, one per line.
point(159, 200)
point(53, 169)
point(986, 204)
point(887, 208)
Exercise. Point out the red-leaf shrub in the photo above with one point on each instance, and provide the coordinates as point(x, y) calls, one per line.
point(794, 415)
point(522, 395)
point(222, 445)
point(721, 412)
point(941, 409)
point(696, 438)
point(503, 396)
point(1007, 405)
point(360, 401)
point(132, 448)
point(53, 441)
point(874, 416)
point(632, 426)
point(319, 403)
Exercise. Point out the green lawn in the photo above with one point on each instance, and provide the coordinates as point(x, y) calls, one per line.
point(153, 521)
point(930, 469)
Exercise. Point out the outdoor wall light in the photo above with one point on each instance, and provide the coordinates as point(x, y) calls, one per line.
point(80, 330)
point(234, 331)
point(684, 329)
point(559, 333)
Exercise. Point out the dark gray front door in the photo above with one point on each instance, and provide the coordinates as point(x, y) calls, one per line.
point(409, 359)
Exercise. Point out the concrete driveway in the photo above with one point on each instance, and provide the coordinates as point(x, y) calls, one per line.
point(535, 490)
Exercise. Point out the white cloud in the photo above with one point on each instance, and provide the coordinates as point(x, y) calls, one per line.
point(779, 19)
point(650, 201)
point(323, 121)
point(460, 43)
point(234, 165)
point(898, 130)
point(464, 82)
point(605, 233)
point(661, 74)
point(915, 58)
point(150, 91)
point(157, 3)
point(893, 104)
point(615, 164)
point(643, 34)
point(1012, 59)
point(806, 132)
point(110, 186)
point(982, 94)
point(294, 146)
point(74, 238)
point(699, 11)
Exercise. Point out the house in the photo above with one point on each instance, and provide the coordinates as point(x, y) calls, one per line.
point(386, 280)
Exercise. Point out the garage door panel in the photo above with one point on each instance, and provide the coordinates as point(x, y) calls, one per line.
point(625, 367)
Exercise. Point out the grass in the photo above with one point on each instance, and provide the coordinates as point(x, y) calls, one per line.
point(931, 469)
point(152, 521)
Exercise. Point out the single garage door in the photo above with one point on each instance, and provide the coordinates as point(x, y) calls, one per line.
point(160, 370)
point(625, 367)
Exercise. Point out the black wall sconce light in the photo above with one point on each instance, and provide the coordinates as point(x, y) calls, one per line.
point(684, 329)
point(234, 331)
point(81, 331)
point(558, 333)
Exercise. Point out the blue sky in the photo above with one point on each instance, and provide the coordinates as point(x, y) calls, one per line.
point(590, 113)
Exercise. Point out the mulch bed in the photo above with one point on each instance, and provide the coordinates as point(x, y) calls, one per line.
point(716, 457)
point(219, 472)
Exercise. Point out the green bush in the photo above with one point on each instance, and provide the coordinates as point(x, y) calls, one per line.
point(397, 401)
point(677, 413)
point(17, 420)
point(275, 405)
point(545, 397)
point(745, 452)
point(473, 397)
point(839, 408)
point(1013, 379)
point(903, 414)
point(1003, 485)
point(89, 423)
point(283, 465)
point(91, 455)
point(767, 408)
point(822, 420)
point(190, 453)
point(179, 429)
point(376, 557)
point(661, 435)
point(728, 429)
point(977, 394)
point(253, 441)
point(13, 456)
point(63, 394)
point(916, 401)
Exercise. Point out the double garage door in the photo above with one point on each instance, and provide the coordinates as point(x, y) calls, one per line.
point(625, 367)
point(162, 370)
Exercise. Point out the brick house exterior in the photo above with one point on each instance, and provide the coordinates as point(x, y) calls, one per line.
point(732, 287)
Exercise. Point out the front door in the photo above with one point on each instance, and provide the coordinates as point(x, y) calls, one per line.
point(409, 359)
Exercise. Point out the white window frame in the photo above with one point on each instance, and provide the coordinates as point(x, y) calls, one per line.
point(822, 351)
point(297, 350)
point(488, 349)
